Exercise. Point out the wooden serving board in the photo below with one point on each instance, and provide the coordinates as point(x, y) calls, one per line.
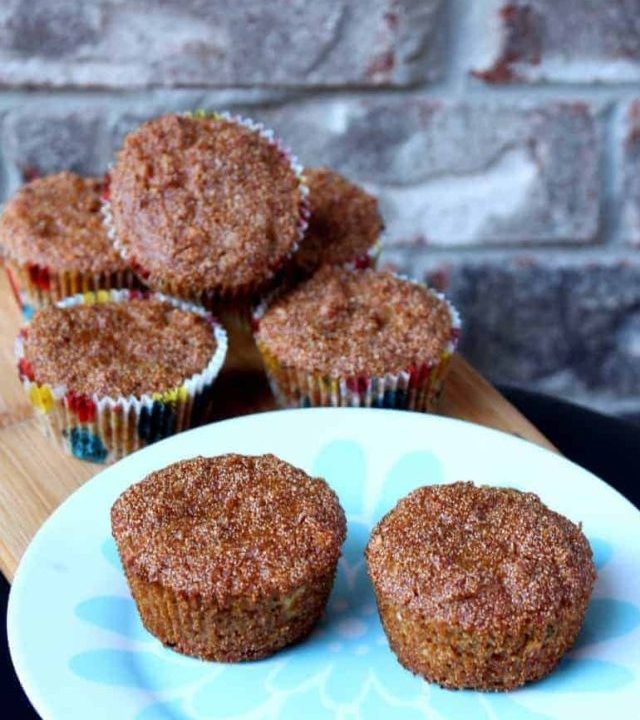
point(35, 476)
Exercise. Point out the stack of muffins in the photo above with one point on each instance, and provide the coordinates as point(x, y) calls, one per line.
point(206, 216)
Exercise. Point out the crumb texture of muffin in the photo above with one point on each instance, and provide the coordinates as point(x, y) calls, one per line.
point(118, 349)
point(479, 587)
point(229, 558)
point(55, 222)
point(344, 222)
point(204, 205)
point(343, 322)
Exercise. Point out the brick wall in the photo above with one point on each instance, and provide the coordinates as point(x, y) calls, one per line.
point(503, 139)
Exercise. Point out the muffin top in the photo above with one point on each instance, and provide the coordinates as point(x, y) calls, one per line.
point(344, 322)
point(229, 526)
point(204, 204)
point(344, 223)
point(55, 222)
point(481, 558)
point(136, 347)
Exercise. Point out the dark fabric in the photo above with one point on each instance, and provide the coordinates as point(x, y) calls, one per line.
point(14, 701)
point(605, 445)
point(608, 447)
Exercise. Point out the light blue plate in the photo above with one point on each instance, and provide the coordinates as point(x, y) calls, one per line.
point(81, 652)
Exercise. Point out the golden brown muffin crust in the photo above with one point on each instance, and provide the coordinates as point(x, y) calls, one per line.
point(55, 222)
point(204, 203)
point(345, 322)
point(480, 558)
point(344, 222)
point(228, 527)
point(118, 349)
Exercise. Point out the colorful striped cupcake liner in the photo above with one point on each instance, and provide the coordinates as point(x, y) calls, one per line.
point(104, 429)
point(35, 286)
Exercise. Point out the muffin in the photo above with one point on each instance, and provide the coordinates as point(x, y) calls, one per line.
point(357, 337)
point(55, 244)
point(229, 558)
point(344, 224)
point(207, 208)
point(112, 371)
point(479, 587)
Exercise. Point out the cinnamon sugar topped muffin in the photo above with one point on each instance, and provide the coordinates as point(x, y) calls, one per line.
point(55, 244)
point(230, 557)
point(205, 205)
point(344, 223)
point(479, 587)
point(112, 371)
point(55, 222)
point(345, 322)
point(118, 349)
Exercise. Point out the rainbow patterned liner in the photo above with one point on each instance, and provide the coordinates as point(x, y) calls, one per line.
point(418, 387)
point(241, 298)
point(35, 286)
point(104, 429)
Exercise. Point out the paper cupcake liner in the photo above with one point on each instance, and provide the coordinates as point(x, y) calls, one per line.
point(418, 387)
point(245, 629)
point(103, 428)
point(35, 286)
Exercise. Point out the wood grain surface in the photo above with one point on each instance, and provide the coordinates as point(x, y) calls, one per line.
point(35, 476)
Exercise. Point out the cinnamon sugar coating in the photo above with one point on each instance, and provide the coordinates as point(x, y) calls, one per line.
point(55, 222)
point(204, 205)
point(344, 223)
point(479, 586)
point(480, 556)
point(345, 322)
point(118, 349)
point(229, 528)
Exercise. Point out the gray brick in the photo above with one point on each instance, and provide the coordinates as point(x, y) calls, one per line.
point(137, 43)
point(447, 174)
point(460, 174)
point(631, 174)
point(561, 41)
point(565, 324)
point(43, 140)
point(622, 371)
point(51, 29)
point(132, 113)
